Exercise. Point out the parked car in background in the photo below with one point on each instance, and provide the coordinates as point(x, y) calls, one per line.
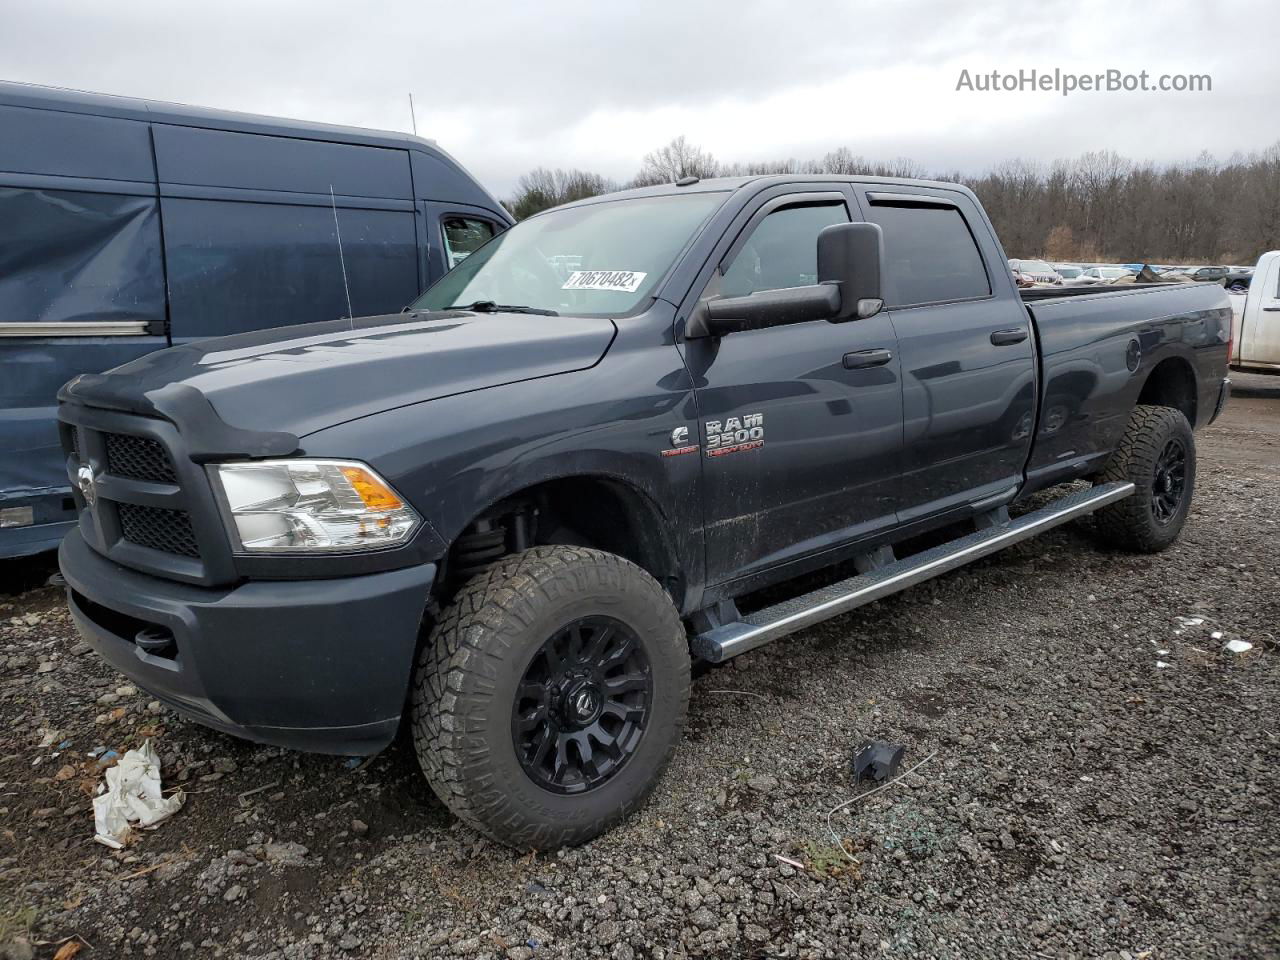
point(128, 225)
point(1106, 274)
point(1238, 279)
point(1072, 275)
point(1208, 274)
point(1038, 270)
point(1255, 341)
point(1022, 280)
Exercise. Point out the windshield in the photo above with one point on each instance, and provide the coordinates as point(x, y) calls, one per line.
point(1111, 273)
point(603, 259)
point(1034, 266)
point(1069, 273)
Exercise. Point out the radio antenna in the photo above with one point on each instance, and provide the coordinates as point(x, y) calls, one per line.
point(413, 114)
point(341, 259)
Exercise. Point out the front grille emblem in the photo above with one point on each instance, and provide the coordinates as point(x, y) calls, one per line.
point(85, 481)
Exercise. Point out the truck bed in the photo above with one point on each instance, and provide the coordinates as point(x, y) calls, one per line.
point(1092, 341)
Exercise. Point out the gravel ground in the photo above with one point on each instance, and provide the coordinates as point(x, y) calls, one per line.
point(1096, 778)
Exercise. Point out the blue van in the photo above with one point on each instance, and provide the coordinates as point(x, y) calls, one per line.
point(131, 225)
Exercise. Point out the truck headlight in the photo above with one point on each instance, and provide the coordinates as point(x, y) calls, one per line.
point(313, 505)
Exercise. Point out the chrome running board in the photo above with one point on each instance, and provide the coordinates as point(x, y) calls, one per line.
point(730, 639)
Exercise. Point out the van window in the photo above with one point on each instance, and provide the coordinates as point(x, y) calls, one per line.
point(930, 255)
point(222, 158)
point(463, 236)
point(236, 266)
point(782, 252)
point(63, 144)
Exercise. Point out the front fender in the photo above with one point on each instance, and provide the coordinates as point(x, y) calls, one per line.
point(455, 457)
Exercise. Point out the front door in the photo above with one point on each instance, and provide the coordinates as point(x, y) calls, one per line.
point(801, 423)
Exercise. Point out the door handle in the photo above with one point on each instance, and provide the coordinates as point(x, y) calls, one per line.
point(1005, 338)
point(861, 359)
point(1270, 309)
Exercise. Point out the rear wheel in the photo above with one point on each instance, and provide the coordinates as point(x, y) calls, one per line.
point(550, 696)
point(1158, 456)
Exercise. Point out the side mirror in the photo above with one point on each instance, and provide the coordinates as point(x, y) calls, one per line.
point(768, 308)
point(849, 257)
point(848, 287)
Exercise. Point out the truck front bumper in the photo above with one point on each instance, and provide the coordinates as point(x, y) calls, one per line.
point(318, 665)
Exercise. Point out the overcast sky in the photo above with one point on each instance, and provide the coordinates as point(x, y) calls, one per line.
point(506, 86)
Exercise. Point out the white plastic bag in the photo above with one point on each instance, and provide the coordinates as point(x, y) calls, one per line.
point(131, 795)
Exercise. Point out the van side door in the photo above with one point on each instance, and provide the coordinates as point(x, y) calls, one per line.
point(801, 424)
point(967, 350)
point(81, 291)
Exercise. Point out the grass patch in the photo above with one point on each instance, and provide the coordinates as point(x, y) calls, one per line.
point(16, 922)
point(828, 860)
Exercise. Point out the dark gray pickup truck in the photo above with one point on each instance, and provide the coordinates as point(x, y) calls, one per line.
point(509, 516)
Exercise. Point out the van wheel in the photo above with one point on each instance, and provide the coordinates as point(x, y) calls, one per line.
point(1158, 455)
point(550, 696)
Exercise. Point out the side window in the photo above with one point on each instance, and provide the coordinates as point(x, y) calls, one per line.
point(930, 255)
point(782, 252)
point(236, 266)
point(463, 236)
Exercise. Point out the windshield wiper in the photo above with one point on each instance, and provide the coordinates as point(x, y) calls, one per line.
point(488, 306)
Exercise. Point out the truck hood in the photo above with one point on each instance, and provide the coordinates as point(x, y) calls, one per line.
point(300, 379)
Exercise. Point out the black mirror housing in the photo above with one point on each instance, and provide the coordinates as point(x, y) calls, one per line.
point(850, 256)
point(848, 287)
point(768, 308)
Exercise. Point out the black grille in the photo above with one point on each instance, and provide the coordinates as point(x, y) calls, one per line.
point(165, 530)
point(138, 459)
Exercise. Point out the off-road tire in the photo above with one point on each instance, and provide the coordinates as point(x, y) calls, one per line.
point(1131, 523)
point(474, 658)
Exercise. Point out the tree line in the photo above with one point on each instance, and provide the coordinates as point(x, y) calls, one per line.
point(1099, 206)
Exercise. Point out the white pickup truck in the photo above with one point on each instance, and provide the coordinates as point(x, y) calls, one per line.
point(1255, 334)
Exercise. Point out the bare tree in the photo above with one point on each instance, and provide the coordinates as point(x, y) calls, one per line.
point(541, 188)
point(1099, 206)
point(1060, 244)
point(676, 160)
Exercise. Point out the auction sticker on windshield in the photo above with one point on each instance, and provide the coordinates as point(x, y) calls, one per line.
point(623, 281)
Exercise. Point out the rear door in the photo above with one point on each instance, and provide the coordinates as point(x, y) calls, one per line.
point(965, 341)
point(801, 423)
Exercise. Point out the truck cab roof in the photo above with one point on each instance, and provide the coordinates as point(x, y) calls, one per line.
point(763, 181)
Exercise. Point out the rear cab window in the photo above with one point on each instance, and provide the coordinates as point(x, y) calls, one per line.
point(931, 254)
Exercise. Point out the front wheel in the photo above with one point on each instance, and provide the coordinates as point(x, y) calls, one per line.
point(1158, 456)
point(550, 696)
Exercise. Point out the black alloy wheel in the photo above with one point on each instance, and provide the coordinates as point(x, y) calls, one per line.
point(1170, 481)
point(582, 705)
